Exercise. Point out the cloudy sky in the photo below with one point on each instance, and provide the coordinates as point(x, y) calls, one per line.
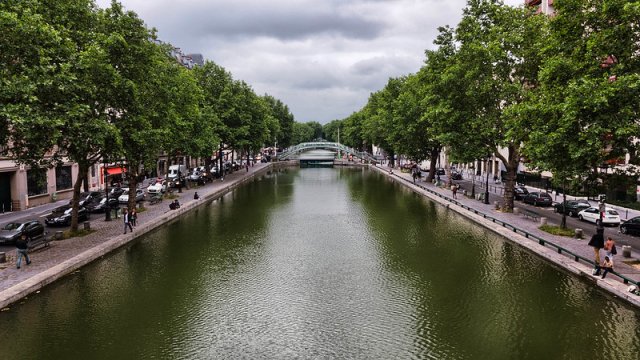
point(320, 57)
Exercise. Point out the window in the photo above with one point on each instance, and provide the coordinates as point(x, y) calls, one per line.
point(36, 181)
point(63, 178)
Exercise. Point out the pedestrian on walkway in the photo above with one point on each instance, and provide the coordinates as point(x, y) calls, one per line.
point(610, 247)
point(134, 217)
point(127, 220)
point(196, 196)
point(22, 249)
point(597, 243)
point(607, 266)
point(454, 190)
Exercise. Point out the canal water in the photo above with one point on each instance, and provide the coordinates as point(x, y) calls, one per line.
point(320, 264)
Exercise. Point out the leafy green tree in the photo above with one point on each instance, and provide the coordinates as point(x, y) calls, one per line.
point(303, 132)
point(56, 97)
point(331, 130)
point(499, 57)
point(146, 112)
point(585, 109)
point(285, 119)
point(352, 133)
point(377, 127)
point(215, 83)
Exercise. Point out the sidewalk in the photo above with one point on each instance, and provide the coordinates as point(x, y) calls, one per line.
point(62, 255)
point(580, 247)
point(625, 213)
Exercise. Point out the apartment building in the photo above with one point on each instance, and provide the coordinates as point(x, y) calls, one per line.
point(543, 6)
point(23, 186)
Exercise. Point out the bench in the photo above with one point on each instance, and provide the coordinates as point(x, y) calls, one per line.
point(39, 241)
point(530, 214)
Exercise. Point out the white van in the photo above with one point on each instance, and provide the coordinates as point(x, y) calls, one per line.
point(174, 169)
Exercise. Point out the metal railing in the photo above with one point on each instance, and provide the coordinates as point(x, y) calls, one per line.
point(526, 234)
point(324, 145)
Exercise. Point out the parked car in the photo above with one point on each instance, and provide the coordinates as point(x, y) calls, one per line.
point(88, 197)
point(61, 216)
point(519, 192)
point(116, 192)
point(456, 176)
point(571, 207)
point(631, 226)
point(102, 205)
point(124, 198)
point(195, 176)
point(91, 204)
point(158, 187)
point(440, 171)
point(538, 199)
point(13, 230)
point(592, 214)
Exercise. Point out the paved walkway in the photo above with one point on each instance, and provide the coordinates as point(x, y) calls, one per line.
point(108, 235)
point(498, 189)
point(578, 246)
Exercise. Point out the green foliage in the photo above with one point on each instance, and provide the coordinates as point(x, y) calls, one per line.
point(557, 230)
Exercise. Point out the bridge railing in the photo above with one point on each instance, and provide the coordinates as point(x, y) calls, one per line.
point(325, 145)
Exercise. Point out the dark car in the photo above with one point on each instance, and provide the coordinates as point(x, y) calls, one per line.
point(519, 192)
point(61, 216)
point(538, 199)
point(571, 207)
point(631, 226)
point(13, 230)
point(440, 171)
point(102, 205)
point(88, 197)
point(116, 192)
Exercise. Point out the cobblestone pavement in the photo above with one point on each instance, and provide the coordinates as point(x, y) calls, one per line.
point(60, 251)
point(577, 246)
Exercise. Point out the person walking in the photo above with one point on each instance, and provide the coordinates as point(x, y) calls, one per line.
point(610, 247)
point(22, 250)
point(134, 217)
point(127, 220)
point(597, 243)
point(607, 266)
point(454, 190)
point(196, 196)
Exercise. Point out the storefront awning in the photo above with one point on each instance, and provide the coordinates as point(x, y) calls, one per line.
point(114, 170)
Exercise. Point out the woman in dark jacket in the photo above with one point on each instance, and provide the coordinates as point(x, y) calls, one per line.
point(597, 243)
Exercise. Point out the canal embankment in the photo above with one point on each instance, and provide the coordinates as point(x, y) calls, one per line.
point(67, 256)
point(570, 254)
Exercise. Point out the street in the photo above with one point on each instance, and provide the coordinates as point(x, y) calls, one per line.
point(555, 218)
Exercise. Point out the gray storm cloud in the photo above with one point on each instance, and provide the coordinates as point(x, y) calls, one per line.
point(323, 58)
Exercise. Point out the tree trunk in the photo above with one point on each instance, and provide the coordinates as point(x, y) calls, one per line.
point(563, 223)
point(435, 153)
point(511, 165)
point(133, 186)
point(82, 173)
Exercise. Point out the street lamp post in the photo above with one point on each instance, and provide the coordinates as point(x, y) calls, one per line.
point(107, 208)
point(486, 190)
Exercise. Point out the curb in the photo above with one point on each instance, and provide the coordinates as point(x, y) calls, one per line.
point(19, 291)
point(613, 287)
